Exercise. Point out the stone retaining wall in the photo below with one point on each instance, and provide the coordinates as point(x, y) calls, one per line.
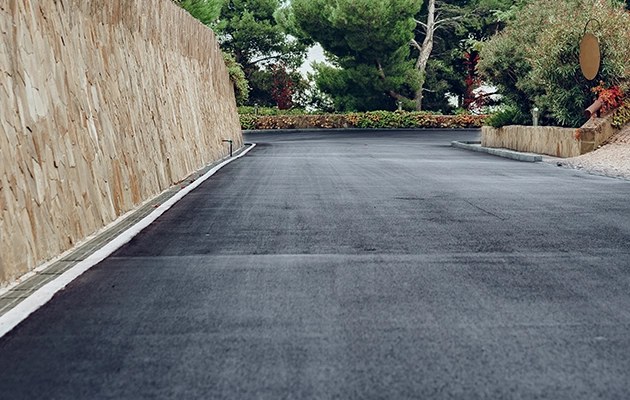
point(103, 105)
point(559, 142)
point(554, 141)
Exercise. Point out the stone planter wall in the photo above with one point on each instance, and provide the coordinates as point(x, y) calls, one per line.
point(554, 141)
point(103, 105)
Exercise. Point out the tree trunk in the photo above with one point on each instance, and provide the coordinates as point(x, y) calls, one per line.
point(425, 52)
point(382, 76)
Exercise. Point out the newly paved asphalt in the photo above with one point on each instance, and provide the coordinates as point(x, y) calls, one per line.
point(351, 265)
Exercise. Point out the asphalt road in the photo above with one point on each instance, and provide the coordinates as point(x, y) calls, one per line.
point(351, 265)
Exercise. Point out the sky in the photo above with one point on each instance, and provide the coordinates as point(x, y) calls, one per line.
point(315, 53)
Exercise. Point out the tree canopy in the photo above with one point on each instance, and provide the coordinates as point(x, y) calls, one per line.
point(390, 52)
point(206, 11)
point(368, 45)
point(459, 28)
point(412, 53)
point(250, 33)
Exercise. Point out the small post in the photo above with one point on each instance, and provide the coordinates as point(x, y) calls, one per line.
point(535, 115)
point(399, 105)
point(230, 142)
point(255, 108)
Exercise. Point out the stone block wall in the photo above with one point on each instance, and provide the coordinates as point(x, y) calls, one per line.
point(595, 132)
point(103, 105)
point(554, 141)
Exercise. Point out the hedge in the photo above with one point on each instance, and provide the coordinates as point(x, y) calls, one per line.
point(368, 120)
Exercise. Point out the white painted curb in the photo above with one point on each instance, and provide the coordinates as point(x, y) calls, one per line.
point(40, 297)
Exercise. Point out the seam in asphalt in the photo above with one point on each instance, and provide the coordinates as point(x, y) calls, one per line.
point(119, 231)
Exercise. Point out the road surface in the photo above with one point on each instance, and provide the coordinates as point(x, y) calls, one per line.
point(351, 265)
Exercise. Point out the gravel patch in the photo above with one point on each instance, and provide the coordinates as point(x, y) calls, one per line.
point(612, 159)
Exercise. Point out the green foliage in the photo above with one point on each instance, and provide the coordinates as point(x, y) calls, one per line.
point(442, 77)
point(255, 34)
point(248, 122)
point(237, 76)
point(621, 116)
point(272, 111)
point(368, 120)
point(249, 30)
point(206, 11)
point(508, 116)
point(556, 58)
point(505, 60)
point(360, 88)
point(369, 44)
point(535, 60)
point(385, 119)
point(509, 13)
point(364, 30)
point(464, 26)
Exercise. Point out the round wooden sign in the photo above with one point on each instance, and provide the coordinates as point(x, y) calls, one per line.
point(589, 56)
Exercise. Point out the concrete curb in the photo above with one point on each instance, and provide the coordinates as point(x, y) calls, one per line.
point(514, 155)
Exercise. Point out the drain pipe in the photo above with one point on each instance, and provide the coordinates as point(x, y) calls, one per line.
point(230, 142)
point(594, 108)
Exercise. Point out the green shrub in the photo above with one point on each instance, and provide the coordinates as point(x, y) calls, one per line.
point(266, 111)
point(367, 120)
point(248, 122)
point(621, 116)
point(508, 116)
point(237, 76)
point(534, 62)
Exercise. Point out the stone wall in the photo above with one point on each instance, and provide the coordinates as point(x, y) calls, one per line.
point(103, 105)
point(595, 132)
point(554, 141)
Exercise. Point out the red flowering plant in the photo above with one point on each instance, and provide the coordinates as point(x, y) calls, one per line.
point(283, 86)
point(611, 97)
point(475, 99)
